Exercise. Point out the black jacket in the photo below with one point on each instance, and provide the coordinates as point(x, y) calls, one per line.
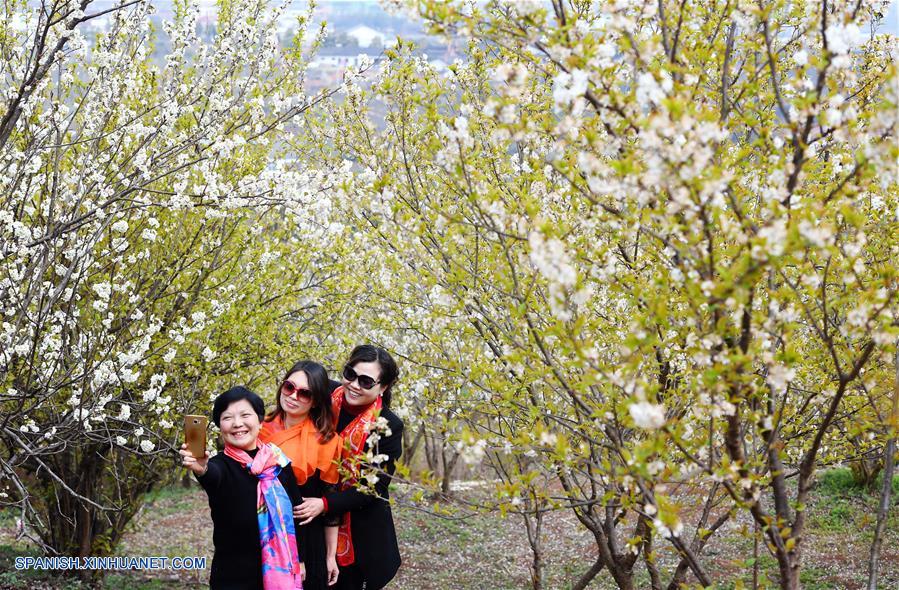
point(371, 522)
point(237, 561)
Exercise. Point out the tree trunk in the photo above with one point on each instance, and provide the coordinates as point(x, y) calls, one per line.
point(431, 453)
point(446, 478)
point(866, 468)
point(411, 447)
point(883, 509)
point(789, 573)
point(588, 575)
point(755, 556)
point(75, 527)
point(534, 525)
point(90, 527)
point(620, 566)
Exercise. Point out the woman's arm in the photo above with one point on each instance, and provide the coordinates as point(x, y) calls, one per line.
point(288, 479)
point(208, 473)
point(354, 499)
point(331, 554)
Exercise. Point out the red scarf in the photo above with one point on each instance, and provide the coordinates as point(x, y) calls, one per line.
point(354, 435)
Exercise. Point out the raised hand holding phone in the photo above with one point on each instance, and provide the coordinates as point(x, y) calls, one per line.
point(195, 434)
point(188, 460)
point(193, 451)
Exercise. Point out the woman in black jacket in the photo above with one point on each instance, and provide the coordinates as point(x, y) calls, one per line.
point(367, 550)
point(255, 547)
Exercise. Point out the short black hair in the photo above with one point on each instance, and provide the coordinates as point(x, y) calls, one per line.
point(366, 353)
point(235, 394)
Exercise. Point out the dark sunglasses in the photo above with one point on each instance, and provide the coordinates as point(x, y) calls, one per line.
point(365, 382)
point(289, 389)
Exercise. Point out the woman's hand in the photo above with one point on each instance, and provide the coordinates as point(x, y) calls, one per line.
point(331, 534)
point(198, 466)
point(333, 571)
point(303, 571)
point(308, 509)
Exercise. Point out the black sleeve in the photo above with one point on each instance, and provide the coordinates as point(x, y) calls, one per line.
point(340, 502)
point(212, 479)
point(330, 518)
point(288, 479)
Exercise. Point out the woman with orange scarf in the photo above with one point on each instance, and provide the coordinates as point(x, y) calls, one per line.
point(367, 551)
point(302, 426)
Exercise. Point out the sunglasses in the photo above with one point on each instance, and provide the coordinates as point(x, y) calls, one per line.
point(290, 390)
point(365, 382)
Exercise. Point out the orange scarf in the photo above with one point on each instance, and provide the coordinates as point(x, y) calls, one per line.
point(301, 443)
point(354, 436)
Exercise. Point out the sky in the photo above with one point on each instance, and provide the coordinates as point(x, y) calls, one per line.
point(890, 24)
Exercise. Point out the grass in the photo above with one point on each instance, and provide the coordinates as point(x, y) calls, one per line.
point(434, 547)
point(170, 500)
point(837, 517)
point(840, 482)
point(844, 505)
point(814, 578)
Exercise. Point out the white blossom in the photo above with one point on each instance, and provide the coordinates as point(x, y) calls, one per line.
point(551, 260)
point(472, 453)
point(125, 412)
point(29, 426)
point(647, 415)
point(103, 290)
point(818, 235)
point(779, 376)
point(774, 236)
point(208, 354)
point(649, 91)
point(568, 87)
point(513, 75)
point(843, 38)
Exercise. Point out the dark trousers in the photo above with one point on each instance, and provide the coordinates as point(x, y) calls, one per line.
point(350, 578)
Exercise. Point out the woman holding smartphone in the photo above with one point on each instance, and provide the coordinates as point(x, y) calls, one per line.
point(367, 551)
point(302, 425)
point(251, 496)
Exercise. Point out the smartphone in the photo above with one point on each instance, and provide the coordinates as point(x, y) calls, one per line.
point(195, 435)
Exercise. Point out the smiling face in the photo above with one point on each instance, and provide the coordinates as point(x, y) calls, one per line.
point(239, 424)
point(296, 406)
point(355, 394)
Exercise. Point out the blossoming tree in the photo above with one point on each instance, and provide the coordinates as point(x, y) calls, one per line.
point(654, 245)
point(153, 240)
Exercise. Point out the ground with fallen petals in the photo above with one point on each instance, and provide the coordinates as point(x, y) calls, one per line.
point(443, 552)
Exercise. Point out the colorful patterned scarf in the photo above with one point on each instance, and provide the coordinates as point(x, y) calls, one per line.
point(280, 559)
point(354, 435)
